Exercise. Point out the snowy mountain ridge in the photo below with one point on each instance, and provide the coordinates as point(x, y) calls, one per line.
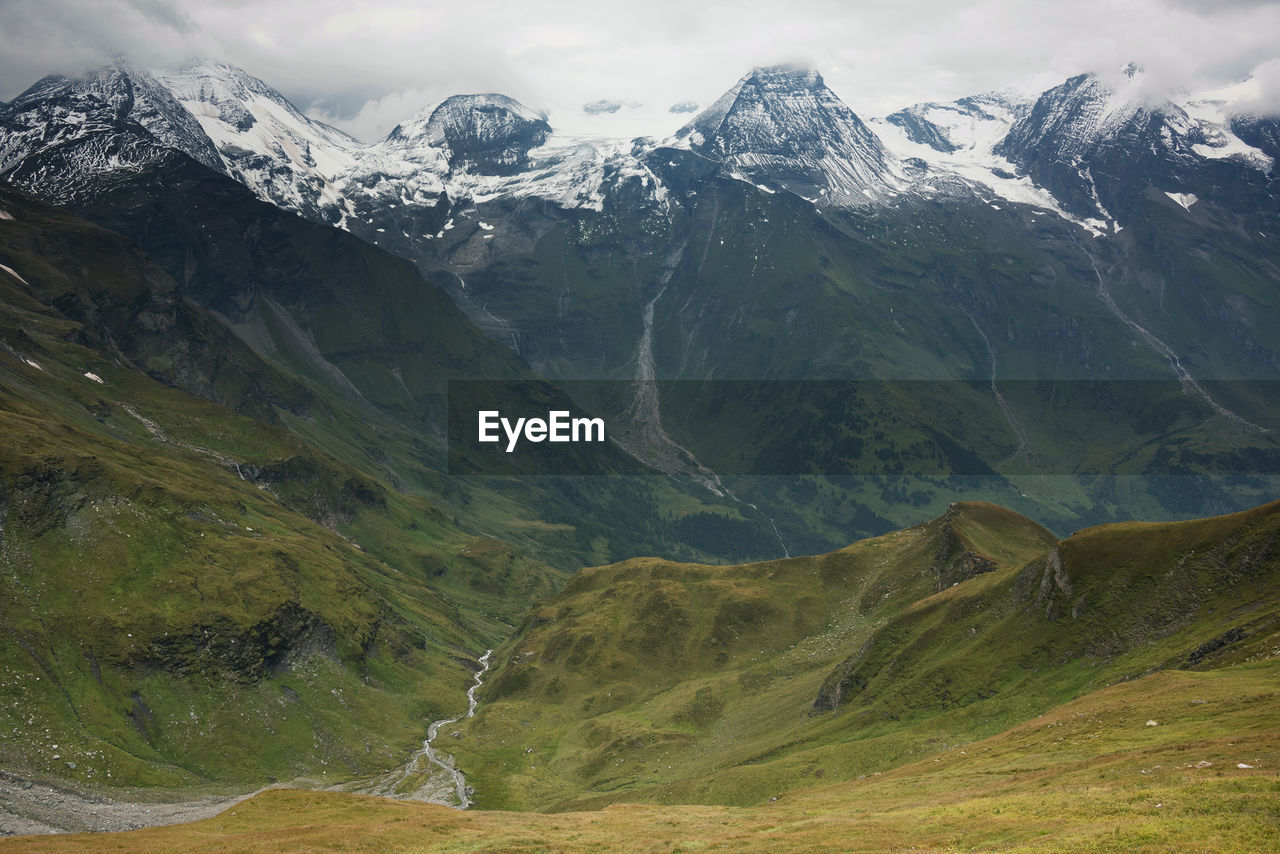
point(1040, 148)
point(777, 128)
point(263, 140)
point(466, 149)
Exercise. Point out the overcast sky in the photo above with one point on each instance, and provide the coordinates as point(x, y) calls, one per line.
point(366, 65)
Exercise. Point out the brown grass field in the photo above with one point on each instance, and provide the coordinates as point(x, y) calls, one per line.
point(1088, 776)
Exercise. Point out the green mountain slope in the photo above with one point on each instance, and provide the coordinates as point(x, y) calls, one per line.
point(377, 345)
point(1087, 775)
point(190, 594)
point(673, 683)
point(242, 519)
point(739, 283)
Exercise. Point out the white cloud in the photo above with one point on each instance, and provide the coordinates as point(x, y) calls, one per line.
point(366, 66)
point(377, 116)
point(1264, 97)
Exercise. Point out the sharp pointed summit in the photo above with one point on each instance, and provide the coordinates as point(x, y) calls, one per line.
point(782, 125)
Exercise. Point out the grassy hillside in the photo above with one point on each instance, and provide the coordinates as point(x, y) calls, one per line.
point(191, 519)
point(1088, 775)
point(189, 594)
point(649, 671)
point(754, 286)
point(671, 683)
point(376, 344)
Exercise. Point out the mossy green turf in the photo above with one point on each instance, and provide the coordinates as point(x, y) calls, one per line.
point(755, 286)
point(133, 566)
point(191, 595)
point(217, 567)
point(674, 683)
point(1089, 775)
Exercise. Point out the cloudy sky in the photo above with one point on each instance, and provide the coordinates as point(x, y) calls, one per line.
point(365, 65)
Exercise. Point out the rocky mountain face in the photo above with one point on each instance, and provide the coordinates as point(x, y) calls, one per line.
point(62, 136)
point(1075, 233)
point(784, 126)
point(262, 140)
point(1097, 147)
point(1258, 132)
point(486, 134)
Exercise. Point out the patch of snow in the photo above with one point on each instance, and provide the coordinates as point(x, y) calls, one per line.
point(484, 225)
point(11, 272)
point(1184, 199)
point(1228, 145)
point(4, 214)
point(32, 364)
point(1209, 113)
point(91, 375)
point(977, 165)
point(1213, 111)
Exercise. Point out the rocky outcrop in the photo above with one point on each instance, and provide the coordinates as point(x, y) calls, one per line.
point(246, 653)
point(955, 560)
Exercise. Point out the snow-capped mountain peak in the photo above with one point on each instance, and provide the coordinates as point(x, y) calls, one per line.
point(957, 140)
point(972, 123)
point(265, 142)
point(783, 125)
point(1084, 110)
point(210, 88)
point(135, 94)
point(487, 133)
point(1084, 148)
point(1097, 142)
point(88, 126)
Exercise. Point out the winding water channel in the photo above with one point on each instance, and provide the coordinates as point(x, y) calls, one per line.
point(430, 775)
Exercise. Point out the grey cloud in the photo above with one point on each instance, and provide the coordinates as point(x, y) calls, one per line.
point(366, 67)
point(1212, 6)
point(167, 13)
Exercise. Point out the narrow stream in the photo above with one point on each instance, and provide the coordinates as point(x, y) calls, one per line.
point(1189, 385)
point(430, 774)
point(655, 446)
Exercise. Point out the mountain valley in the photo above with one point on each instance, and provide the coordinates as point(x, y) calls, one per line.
point(939, 506)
